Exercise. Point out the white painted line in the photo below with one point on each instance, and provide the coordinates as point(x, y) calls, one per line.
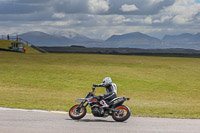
point(59, 112)
point(26, 110)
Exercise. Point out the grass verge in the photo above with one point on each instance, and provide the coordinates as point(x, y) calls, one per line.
point(157, 86)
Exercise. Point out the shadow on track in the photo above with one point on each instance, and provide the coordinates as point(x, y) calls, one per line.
point(94, 120)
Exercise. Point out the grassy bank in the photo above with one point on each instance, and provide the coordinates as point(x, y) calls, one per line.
point(158, 86)
point(5, 44)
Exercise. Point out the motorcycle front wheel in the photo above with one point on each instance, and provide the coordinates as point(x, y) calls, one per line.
point(122, 114)
point(77, 113)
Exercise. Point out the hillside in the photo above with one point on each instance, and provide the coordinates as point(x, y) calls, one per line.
point(43, 39)
point(5, 44)
point(77, 38)
point(135, 37)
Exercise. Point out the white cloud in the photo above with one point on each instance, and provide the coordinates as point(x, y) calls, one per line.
point(185, 2)
point(98, 6)
point(58, 15)
point(100, 18)
point(155, 1)
point(119, 19)
point(198, 18)
point(163, 19)
point(180, 20)
point(128, 8)
point(60, 23)
point(148, 20)
point(183, 11)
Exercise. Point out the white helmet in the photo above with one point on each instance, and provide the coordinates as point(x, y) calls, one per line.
point(107, 80)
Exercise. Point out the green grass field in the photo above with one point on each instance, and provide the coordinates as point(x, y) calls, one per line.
point(157, 86)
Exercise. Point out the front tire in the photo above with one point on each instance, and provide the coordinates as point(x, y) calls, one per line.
point(123, 114)
point(76, 113)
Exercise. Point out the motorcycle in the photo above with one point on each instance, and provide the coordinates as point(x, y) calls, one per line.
point(117, 110)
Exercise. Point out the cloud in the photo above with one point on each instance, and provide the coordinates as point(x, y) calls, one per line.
point(109, 7)
point(155, 1)
point(100, 18)
point(148, 20)
point(128, 8)
point(9, 7)
point(98, 6)
point(180, 20)
point(58, 15)
point(31, 1)
point(183, 11)
point(101, 7)
point(162, 19)
point(70, 6)
point(144, 7)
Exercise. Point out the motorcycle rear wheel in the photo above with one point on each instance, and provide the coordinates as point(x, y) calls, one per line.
point(76, 114)
point(123, 114)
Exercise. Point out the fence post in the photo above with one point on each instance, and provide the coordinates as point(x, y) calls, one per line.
point(8, 37)
point(17, 37)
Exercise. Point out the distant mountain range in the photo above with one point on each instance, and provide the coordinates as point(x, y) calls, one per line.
point(130, 40)
point(186, 37)
point(185, 40)
point(139, 40)
point(44, 39)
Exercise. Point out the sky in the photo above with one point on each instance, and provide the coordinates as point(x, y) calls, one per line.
point(100, 18)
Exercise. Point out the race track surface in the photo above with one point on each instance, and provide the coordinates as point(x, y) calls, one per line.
point(15, 121)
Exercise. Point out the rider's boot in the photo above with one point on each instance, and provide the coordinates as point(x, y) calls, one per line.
point(104, 105)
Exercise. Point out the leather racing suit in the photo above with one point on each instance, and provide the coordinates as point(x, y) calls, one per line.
point(111, 91)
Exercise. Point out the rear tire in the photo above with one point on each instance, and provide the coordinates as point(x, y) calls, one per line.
point(75, 114)
point(123, 114)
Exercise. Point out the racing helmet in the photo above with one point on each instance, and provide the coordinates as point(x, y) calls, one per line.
point(107, 80)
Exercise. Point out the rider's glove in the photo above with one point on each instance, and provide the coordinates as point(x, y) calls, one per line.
point(94, 85)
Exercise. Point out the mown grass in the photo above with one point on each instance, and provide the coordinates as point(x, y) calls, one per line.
point(157, 86)
point(5, 43)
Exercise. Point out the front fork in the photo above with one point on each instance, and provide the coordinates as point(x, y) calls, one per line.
point(82, 105)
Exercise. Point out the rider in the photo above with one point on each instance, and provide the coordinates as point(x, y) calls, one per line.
point(111, 89)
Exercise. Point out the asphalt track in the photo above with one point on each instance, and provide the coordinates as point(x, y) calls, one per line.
point(24, 121)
